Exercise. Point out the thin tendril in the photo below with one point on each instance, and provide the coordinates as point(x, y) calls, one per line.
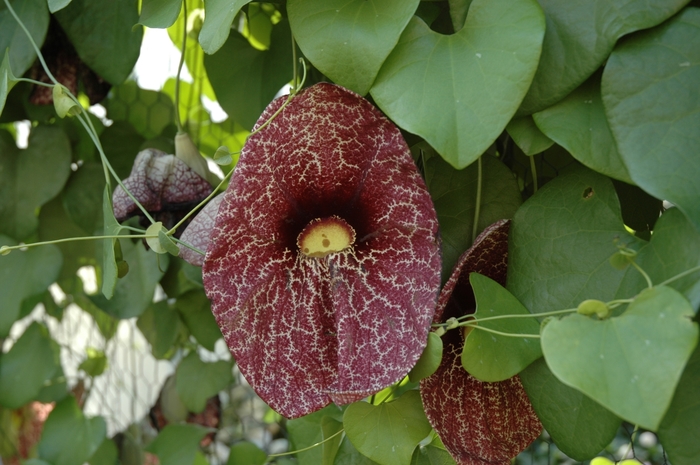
point(646, 276)
point(306, 448)
point(179, 68)
point(294, 65)
point(76, 239)
point(477, 210)
point(680, 275)
point(533, 170)
point(489, 330)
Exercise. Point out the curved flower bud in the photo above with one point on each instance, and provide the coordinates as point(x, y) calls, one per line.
point(164, 185)
point(479, 423)
point(198, 232)
point(324, 264)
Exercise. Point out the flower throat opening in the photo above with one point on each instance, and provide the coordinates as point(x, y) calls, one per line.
point(324, 236)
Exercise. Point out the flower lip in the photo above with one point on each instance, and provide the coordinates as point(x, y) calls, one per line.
point(324, 236)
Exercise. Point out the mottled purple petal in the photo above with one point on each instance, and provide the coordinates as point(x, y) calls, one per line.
point(306, 331)
point(198, 232)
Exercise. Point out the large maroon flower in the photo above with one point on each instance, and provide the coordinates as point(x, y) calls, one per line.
point(324, 266)
point(479, 423)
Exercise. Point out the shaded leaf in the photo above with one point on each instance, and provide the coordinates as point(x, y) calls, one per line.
point(28, 364)
point(68, 437)
point(195, 311)
point(95, 363)
point(56, 5)
point(487, 69)
point(580, 37)
point(389, 432)
point(218, 16)
point(349, 41)
point(148, 111)
point(177, 444)
point(429, 360)
point(7, 79)
point(258, 75)
point(306, 431)
point(246, 453)
point(348, 455)
point(454, 195)
point(23, 274)
point(197, 381)
point(630, 364)
point(31, 177)
point(82, 196)
point(35, 16)
point(159, 13)
point(652, 115)
point(491, 357)
point(104, 36)
point(109, 259)
point(159, 325)
point(578, 124)
point(528, 136)
point(330, 429)
point(681, 424)
point(578, 425)
point(106, 454)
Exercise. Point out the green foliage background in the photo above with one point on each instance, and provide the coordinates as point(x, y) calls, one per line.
point(575, 119)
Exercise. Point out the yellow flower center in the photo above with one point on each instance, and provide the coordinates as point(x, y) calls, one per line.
point(324, 236)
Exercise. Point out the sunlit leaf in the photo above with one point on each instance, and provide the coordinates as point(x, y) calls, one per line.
point(148, 111)
point(31, 177)
point(631, 363)
point(23, 274)
point(197, 381)
point(578, 124)
point(389, 432)
point(492, 357)
point(218, 17)
point(579, 38)
point(56, 5)
point(578, 425)
point(69, 438)
point(349, 40)
point(25, 368)
point(652, 112)
point(104, 35)
point(429, 360)
point(35, 16)
point(159, 13)
point(95, 364)
point(486, 70)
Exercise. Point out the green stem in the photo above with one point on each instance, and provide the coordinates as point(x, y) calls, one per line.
point(294, 65)
point(32, 81)
point(533, 170)
point(646, 276)
point(524, 315)
point(6, 248)
point(680, 275)
point(500, 333)
point(179, 68)
point(477, 210)
point(306, 448)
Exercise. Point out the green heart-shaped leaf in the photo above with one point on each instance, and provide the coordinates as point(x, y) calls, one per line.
point(23, 274)
point(35, 16)
point(630, 364)
point(197, 381)
point(159, 13)
point(595, 147)
point(429, 360)
point(389, 432)
point(458, 92)
point(218, 16)
point(646, 85)
point(349, 40)
point(31, 177)
point(580, 36)
point(492, 357)
point(177, 444)
point(528, 136)
point(25, 368)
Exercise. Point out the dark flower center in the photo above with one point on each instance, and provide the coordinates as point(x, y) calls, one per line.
point(323, 236)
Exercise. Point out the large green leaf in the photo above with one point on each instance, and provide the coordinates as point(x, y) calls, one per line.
point(104, 35)
point(561, 240)
point(82, 196)
point(673, 249)
point(195, 311)
point(134, 292)
point(31, 177)
point(197, 381)
point(580, 36)
point(528, 136)
point(492, 357)
point(307, 431)
point(159, 13)
point(159, 324)
point(26, 366)
point(454, 193)
point(177, 444)
point(649, 91)
point(246, 79)
point(348, 455)
point(23, 274)
point(35, 16)
point(246, 453)
point(218, 16)
point(458, 92)
point(579, 426)
point(629, 364)
point(349, 40)
point(387, 433)
point(578, 124)
point(680, 427)
point(7, 79)
point(68, 437)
